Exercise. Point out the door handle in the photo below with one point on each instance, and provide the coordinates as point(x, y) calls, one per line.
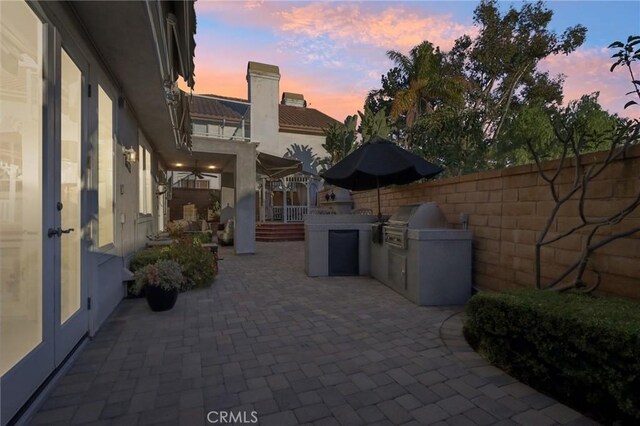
point(53, 232)
point(57, 232)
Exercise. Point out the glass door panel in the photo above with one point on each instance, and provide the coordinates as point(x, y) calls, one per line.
point(21, 102)
point(70, 186)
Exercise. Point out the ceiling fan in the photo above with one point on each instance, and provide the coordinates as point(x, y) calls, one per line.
point(197, 174)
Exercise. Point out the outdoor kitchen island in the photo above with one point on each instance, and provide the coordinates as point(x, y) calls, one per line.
point(337, 244)
point(422, 259)
point(417, 254)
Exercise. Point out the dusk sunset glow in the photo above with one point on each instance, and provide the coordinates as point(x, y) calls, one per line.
point(334, 52)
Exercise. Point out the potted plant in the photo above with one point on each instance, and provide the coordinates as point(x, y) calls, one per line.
point(161, 282)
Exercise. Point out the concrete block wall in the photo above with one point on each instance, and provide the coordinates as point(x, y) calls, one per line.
point(508, 208)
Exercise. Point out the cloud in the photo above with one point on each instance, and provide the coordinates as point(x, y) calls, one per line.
point(341, 30)
point(253, 4)
point(587, 71)
point(352, 32)
point(392, 27)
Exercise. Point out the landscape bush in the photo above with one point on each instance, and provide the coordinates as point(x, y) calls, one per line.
point(199, 266)
point(583, 350)
point(202, 237)
point(148, 256)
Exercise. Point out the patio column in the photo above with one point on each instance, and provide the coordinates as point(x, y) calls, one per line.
point(307, 183)
point(263, 198)
point(245, 205)
point(284, 199)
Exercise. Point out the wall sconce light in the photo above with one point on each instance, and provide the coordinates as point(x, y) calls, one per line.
point(162, 189)
point(129, 157)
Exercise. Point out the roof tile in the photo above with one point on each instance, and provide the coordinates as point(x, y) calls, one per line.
point(291, 117)
point(311, 118)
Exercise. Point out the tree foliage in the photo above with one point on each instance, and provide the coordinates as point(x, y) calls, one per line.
point(451, 138)
point(501, 62)
point(424, 83)
point(340, 140)
point(535, 123)
point(459, 106)
point(628, 53)
point(374, 124)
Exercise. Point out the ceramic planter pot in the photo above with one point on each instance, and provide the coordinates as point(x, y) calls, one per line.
point(160, 299)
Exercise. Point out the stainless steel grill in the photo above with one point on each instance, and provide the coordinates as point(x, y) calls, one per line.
point(412, 216)
point(422, 259)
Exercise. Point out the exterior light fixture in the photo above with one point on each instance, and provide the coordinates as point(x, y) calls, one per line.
point(130, 157)
point(162, 188)
point(178, 164)
point(212, 167)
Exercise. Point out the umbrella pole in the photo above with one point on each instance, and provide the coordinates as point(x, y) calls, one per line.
point(379, 212)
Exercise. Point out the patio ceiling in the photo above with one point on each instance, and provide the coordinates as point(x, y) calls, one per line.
point(122, 33)
point(204, 159)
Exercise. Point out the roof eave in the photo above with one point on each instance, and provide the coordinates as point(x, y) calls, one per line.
point(302, 130)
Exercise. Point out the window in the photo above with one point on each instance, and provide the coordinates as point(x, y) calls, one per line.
point(148, 184)
point(105, 168)
point(200, 128)
point(21, 81)
point(145, 183)
point(202, 184)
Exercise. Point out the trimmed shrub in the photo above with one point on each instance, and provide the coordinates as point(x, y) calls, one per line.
point(148, 256)
point(199, 266)
point(581, 349)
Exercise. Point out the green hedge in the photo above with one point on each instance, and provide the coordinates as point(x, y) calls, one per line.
point(582, 349)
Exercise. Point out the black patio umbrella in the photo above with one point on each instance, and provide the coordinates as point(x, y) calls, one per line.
point(379, 163)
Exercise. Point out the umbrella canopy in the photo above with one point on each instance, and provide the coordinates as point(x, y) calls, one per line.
point(378, 163)
point(276, 167)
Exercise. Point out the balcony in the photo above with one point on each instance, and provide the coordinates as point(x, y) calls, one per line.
point(221, 118)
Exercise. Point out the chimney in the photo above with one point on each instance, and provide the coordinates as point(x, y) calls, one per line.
point(263, 83)
point(293, 99)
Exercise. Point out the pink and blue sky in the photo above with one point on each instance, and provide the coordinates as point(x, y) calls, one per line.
point(334, 52)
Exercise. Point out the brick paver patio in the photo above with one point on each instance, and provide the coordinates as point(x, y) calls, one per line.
point(296, 350)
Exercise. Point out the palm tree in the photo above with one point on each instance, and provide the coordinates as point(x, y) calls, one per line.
point(427, 84)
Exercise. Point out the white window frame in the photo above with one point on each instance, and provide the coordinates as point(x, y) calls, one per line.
point(145, 178)
point(105, 87)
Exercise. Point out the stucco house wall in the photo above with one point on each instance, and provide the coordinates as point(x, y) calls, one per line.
point(315, 142)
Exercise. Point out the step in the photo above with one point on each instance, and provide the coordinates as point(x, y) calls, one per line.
point(285, 226)
point(278, 231)
point(291, 235)
point(276, 239)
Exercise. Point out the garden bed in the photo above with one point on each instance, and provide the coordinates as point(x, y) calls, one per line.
point(581, 349)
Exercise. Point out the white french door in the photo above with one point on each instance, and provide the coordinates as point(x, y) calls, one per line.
point(70, 313)
point(43, 312)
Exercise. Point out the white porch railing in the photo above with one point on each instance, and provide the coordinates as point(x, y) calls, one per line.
point(276, 213)
point(294, 213)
